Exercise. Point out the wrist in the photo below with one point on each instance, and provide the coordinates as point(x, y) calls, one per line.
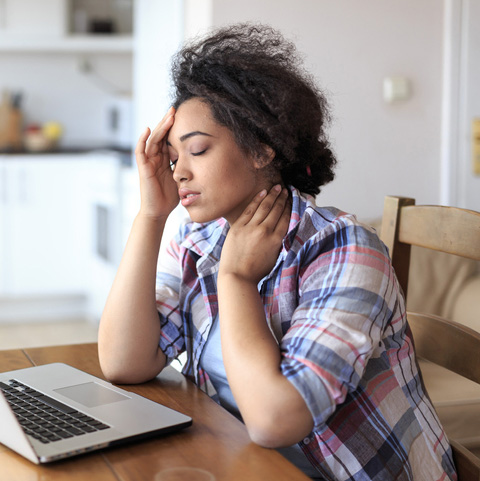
point(153, 218)
point(151, 223)
point(235, 279)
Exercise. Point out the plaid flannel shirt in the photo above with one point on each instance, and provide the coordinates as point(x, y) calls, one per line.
point(334, 305)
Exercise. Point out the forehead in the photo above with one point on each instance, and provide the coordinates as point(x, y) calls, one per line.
point(193, 115)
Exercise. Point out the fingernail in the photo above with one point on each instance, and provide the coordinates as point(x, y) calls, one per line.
point(262, 193)
point(278, 187)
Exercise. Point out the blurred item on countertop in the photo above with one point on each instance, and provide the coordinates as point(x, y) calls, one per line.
point(41, 138)
point(10, 122)
point(33, 138)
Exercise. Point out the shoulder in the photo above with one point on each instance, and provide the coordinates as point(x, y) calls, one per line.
point(328, 228)
point(337, 255)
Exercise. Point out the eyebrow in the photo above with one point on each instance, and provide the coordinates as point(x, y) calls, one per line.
point(190, 134)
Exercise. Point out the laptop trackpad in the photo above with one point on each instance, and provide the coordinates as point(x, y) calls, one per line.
point(91, 394)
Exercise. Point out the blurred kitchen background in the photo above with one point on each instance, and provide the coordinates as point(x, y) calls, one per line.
point(80, 79)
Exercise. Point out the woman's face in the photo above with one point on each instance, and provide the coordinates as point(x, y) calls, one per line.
point(214, 176)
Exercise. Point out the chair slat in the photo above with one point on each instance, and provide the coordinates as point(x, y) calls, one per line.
point(438, 228)
point(467, 464)
point(434, 336)
point(399, 252)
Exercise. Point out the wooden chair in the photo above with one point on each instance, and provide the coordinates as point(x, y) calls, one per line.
point(440, 341)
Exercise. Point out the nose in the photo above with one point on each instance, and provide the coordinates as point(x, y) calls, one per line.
point(181, 172)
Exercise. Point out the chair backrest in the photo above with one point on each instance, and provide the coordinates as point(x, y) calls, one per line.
point(447, 229)
point(443, 342)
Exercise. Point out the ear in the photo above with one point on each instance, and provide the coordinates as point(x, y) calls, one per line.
point(264, 158)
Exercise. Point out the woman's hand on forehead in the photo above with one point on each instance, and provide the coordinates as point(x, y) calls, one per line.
point(158, 190)
point(158, 139)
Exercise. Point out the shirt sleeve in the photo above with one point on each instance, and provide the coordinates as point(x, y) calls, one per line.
point(167, 288)
point(347, 294)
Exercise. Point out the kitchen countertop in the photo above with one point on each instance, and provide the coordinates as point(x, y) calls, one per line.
point(68, 150)
point(125, 155)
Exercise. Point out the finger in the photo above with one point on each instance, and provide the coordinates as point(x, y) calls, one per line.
point(170, 112)
point(277, 210)
point(251, 208)
point(140, 147)
point(157, 138)
point(158, 135)
point(269, 203)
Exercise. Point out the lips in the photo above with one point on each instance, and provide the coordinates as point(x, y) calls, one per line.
point(188, 197)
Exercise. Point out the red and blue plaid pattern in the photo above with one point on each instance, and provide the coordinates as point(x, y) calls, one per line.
point(333, 303)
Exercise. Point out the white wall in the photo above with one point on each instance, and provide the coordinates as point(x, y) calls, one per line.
point(350, 47)
point(55, 90)
point(158, 35)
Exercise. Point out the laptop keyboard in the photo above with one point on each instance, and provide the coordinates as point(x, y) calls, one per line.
point(45, 418)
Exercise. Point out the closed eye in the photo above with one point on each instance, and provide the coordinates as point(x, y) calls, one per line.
point(195, 154)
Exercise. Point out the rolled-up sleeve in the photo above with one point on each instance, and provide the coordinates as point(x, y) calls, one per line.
point(167, 289)
point(346, 292)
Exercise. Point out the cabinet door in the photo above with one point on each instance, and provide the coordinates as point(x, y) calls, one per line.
point(3, 205)
point(43, 225)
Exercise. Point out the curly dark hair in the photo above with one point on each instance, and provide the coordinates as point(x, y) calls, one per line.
point(253, 82)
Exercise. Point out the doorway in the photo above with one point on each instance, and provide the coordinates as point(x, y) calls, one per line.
point(461, 103)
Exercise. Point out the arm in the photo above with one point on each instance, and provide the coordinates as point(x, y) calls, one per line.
point(129, 328)
point(273, 410)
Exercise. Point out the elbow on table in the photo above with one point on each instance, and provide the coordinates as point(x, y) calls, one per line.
point(278, 432)
point(120, 376)
point(118, 372)
point(115, 373)
point(264, 439)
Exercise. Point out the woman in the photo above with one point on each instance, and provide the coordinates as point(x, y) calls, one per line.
point(290, 314)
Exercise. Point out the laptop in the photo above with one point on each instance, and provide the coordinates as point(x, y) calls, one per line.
point(55, 411)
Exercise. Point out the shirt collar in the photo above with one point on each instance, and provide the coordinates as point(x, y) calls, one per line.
point(203, 238)
point(300, 202)
point(207, 239)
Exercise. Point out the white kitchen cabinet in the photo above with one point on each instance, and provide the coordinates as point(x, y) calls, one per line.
point(44, 225)
point(51, 26)
point(60, 234)
point(105, 198)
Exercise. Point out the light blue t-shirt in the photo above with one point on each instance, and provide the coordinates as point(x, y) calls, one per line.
point(211, 361)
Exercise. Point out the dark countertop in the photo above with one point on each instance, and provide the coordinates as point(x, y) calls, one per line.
point(68, 150)
point(125, 155)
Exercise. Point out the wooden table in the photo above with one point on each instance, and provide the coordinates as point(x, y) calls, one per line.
point(216, 441)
